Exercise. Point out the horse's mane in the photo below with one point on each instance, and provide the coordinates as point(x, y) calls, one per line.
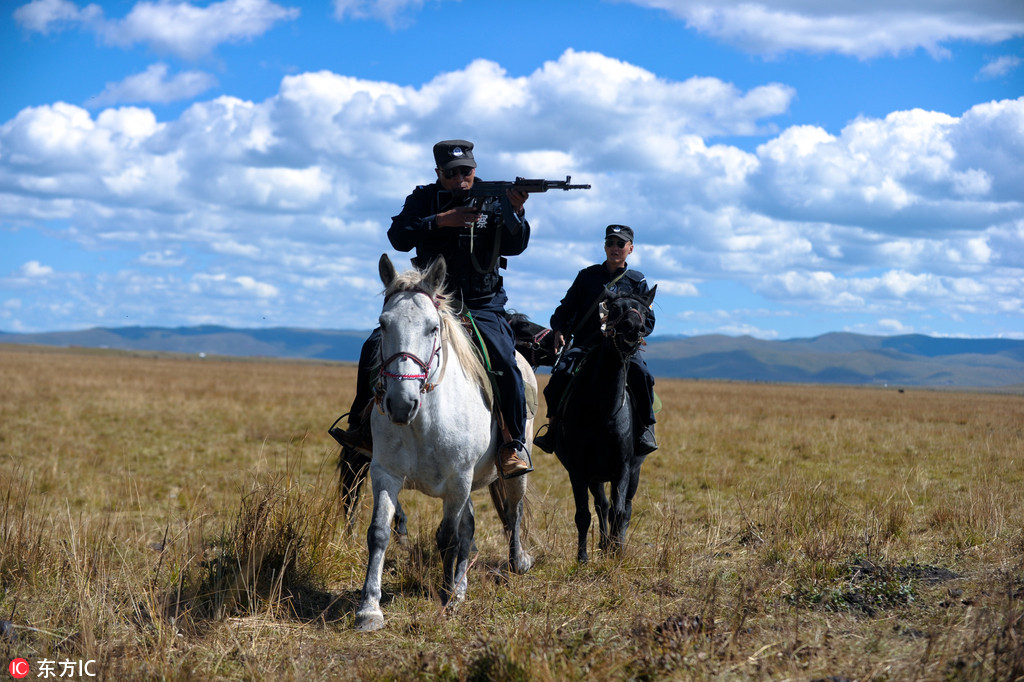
point(465, 350)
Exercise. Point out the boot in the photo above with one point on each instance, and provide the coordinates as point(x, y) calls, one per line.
point(358, 436)
point(513, 460)
point(645, 442)
point(546, 440)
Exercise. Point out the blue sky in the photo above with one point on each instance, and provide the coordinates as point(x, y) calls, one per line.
point(790, 170)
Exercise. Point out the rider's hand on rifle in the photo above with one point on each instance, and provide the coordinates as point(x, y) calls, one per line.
point(559, 341)
point(460, 216)
point(517, 199)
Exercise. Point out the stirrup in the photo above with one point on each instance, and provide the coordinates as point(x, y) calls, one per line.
point(545, 438)
point(643, 446)
point(336, 432)
point(357, 437)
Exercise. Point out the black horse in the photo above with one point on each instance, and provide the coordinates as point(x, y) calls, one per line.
point(595, 436)
point(535, 342)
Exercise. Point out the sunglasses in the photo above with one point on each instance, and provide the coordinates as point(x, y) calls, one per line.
point(616, 242)
point(464, 171)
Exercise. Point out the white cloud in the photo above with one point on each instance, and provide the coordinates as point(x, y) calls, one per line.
point(999, 67)
point(889, 214)
point(863, 29)
point(224, 285)
point(394, 13)
point(938, 172)
point(34, 269)
point(46, 16)
point(180, 28)
point(167, 258)
point(153, 85)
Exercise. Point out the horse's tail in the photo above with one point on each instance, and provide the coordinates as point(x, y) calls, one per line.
point(499, 498)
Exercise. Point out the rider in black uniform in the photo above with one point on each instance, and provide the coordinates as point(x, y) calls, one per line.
point(474, 237)
point(576, 319)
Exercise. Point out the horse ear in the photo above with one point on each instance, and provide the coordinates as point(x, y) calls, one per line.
point(386, 270)
point(650, 295)
point(436, 273)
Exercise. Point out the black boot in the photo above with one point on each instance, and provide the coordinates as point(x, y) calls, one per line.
point(645, 442)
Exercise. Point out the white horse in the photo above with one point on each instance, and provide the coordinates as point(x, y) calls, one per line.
point(435, 431)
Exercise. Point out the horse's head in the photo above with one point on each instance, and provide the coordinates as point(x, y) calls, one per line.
point(410, 340)
point(624, 318)
point(535, 342)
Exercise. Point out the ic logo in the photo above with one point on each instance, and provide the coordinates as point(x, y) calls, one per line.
point(18, 668)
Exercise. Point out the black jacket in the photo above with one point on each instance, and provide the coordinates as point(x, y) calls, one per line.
point(588, 286)
point(472, 274)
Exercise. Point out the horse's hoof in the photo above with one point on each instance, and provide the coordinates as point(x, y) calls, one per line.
point(451, 599)
point(522, 566)
point(368, 621)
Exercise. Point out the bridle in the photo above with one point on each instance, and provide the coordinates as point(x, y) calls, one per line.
point(425, 366)
point(610, 330)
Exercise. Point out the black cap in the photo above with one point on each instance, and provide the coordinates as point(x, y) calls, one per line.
point(623, 231)
point(453, 154)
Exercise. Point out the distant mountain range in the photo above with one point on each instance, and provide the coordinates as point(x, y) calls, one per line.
point(836, 358)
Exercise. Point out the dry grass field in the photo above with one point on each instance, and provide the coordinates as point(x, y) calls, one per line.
point(172, 518)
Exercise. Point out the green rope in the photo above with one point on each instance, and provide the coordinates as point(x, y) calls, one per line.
point(479, 340)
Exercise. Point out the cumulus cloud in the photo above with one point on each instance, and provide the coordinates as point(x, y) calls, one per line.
point(287, 199)
point(179, 28)
point(153, 85)
point(911, 172)
point(864, 29)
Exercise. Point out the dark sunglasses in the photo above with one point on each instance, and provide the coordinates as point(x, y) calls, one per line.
point(615, 241)
point(464, 171)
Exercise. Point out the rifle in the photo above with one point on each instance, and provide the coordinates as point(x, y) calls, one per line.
point(484, 188)
point(483, 192)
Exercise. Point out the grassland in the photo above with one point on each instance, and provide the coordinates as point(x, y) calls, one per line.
point(175, 518)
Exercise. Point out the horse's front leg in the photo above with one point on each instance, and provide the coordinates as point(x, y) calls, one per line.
point(385, 498)
point(467, 531)
point(601, 508)
point(629, 487)
point(582, 500)
point(453, 544)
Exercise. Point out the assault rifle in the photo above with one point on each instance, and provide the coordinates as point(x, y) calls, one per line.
point(483, 193)
point(484, 188)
